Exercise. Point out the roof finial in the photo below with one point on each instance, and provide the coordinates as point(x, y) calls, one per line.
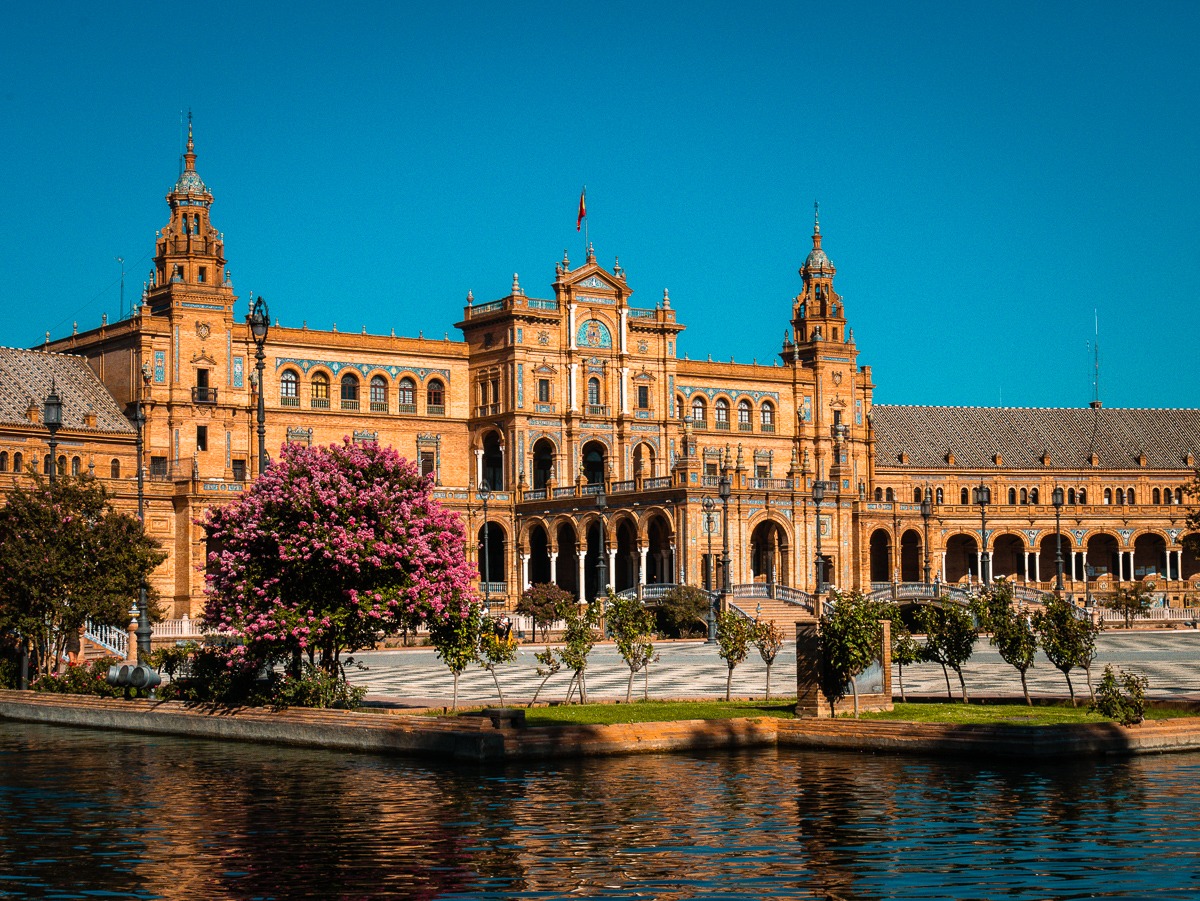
point(190, 156)
point(817, 216)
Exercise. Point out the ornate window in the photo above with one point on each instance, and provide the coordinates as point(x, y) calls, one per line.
point(744, 423)
point(643, 397)
point(699, 413)
point(543, 388)
point(349, 391)
point(320, 391)
point(289, 389)
point(767, 416)
point(406, 393)
point(721, 414)
point(435, 398)
point(379, 392)
point(593, 392)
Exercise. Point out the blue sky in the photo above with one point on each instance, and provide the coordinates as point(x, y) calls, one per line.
point(989, 174)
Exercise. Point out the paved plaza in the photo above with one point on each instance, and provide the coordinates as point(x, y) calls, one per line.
point(693, 669)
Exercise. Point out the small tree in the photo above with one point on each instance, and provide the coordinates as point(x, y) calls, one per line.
point(950, 633)
point(631, 625)
point(1121, 698)
point(905, 649)
point(683, 611)
point(1012, 631)
point(540, 602)
point(1068, 639)
point(851, 636)
point(496, 648)
point(547, 665)
point(456, 640)
point(768, 638)
point(578, 640)
point(1131, 602)
point(734, 633)
point(65, 557)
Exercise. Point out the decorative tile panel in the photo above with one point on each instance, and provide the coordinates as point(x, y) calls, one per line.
point(593, 333)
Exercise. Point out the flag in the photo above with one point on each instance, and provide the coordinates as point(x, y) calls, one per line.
point(582, 208)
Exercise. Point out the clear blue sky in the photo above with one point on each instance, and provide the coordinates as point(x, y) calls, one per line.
point(989, 173)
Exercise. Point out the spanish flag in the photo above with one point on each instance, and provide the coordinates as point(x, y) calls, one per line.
point(582, 208)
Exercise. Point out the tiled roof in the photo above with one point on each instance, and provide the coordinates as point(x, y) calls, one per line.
point(26, 376)
point(974, 435)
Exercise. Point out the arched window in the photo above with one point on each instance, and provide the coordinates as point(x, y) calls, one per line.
point(435, 398)
point(4, 463)
point(1179, 495)
point(679, 406)
point(1012, 495)
point(18, 461)
point(890, 495)
point(1024, 496)
point(964, 496)
point(114, 469)
point(916, 495)
point(289, 388)
point(406, 395)
point(940, 496)
point(699, 413)
point(721, 414)
point(1083, 495)
point(1120, 495)
point(1033, 495)
point(593, 387)
point(1071, 496)
point(767, 416)
point(46, 459)
point(879, 494)
point(75, 464)
point(744, 423)
point(1107, 495)
point(349, 391)
point(1129, 497)
point(62, 466)
point(1167, 496)
point(320, 391)
point(379, 391)
point(1156, 496)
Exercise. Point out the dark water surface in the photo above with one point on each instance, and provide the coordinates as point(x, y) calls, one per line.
point(98, 815)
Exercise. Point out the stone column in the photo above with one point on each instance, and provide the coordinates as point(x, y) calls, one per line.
point(524, 571)
point(582, 570)
point(554, 567)
point(642, 552)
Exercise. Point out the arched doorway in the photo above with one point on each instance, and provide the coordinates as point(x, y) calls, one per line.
point(543, 462)
point(660, 560)
point(594, 459)
point(881, 556)
point(627, 562)
point(539, 555)
point(643, 461)
point(1103, 557)
point(566, 564)
point(768, 553)
point(1048, 558)
point(1149, 556)
point(591, 563)
point(1008, 557)
point(962, 558)
point(1190, 558)
point(493, 461)
point(493, 557)
point(910, 556)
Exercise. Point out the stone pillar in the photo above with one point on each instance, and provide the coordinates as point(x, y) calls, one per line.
point(612, 567)
point(809, 699)
point(642, 551)
point(524, 571)
point(582, 570)
point(554, 567)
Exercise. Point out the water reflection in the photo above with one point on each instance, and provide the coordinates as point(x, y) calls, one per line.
point(162, 818)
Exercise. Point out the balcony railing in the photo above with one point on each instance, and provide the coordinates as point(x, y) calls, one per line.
point(771, 484)
point(534, 304)
point(627, 485)
point(642, 314)
point(379, 406)
point(657, 482)
point(289, 401)
point(597, 410)
point(201, 395)
point(535, 494)
point(745, 427)
point(487, 410)
point(767, 428)
point(406, 408)
point(319, 403)
point(721, 425)
point(699, 423)
point(349, 403)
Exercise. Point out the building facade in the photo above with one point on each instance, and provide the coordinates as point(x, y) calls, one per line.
point(599, 446)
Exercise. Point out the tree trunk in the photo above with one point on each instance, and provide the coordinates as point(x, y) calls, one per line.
point(454, 703)
point(582, 687)
point(946, 673)
point(496, 679)
point(728, 682)
point(903, 700)
point(571, 688)
point(539, 689)
point(646, 683)
point(1070, 687)
point(1087, 671)
point(1025, 689)
point(629, 687)
point(768, 681)
point(961, 683)
point(854, 691)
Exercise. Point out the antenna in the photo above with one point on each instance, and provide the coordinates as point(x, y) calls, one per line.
point(121, 260)
point(1096, 363)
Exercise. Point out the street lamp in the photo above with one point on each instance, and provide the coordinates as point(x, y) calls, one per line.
point(485, 491)
point(983, 497)
point(601, 563)
point(818, 495)
point(708, 504)
point(144, 629)
point(260, 321)
point(926, 512)
point(52, 417)
point(1056, 497)
point(723, 489)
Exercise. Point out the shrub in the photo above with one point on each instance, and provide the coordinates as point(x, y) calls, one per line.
point(86, 678)
point(315, 688)
point(1121, 697)
point(683, 612)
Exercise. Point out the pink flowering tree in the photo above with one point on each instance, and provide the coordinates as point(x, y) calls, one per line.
point(331, 548)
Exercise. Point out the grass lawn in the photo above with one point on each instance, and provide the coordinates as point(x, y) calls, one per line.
point(658, 711)
point(1007, 714)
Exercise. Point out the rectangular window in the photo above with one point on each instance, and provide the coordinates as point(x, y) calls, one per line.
point(427, 463)
point(202, 277)
point(762, 471)
point(643, 397)
point(239, 470)
point(158, 467)
point(543, 391)
point(710, 469)
point(201, 438)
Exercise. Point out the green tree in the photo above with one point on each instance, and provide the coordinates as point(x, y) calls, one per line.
point(734, 634)
point(1012, 632)
point(497, 646)
point(768, 638)
point(67, 557)
point(579, 638)
point(851, 635)
point(540, 602)
point(1121, 698)
point(1068, 639)
point(631, 625)
point(950, 633)
point(683, 611)
point(1131, 602)
point(905, 649)
point(456, 640)
point(547, 665)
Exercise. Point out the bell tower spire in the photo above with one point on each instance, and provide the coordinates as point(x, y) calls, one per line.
point(818, 315)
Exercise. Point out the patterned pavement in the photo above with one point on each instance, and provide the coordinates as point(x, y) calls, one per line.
point(692, 669)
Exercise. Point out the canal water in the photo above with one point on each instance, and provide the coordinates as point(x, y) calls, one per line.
point(99, 815)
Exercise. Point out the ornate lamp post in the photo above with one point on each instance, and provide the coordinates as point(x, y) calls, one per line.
point(983, 497)
point(144, 629)
point(818, 495)
point(709, 504)
point(723, 489)
point(1056, 498)
point(52, 417)
point(926, 512)
point(485, 492)
point(601, 562)
point(260, 321)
